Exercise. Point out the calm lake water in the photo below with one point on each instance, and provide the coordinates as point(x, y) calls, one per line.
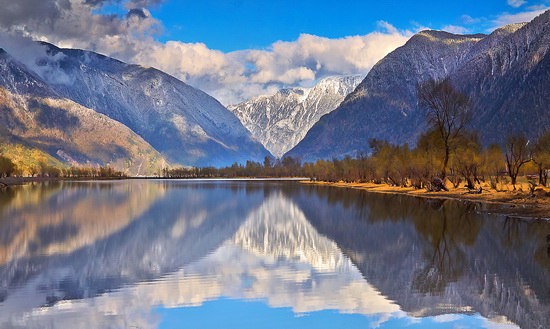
point(254, 254)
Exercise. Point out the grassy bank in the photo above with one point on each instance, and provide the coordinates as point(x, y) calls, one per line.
point(518, 203)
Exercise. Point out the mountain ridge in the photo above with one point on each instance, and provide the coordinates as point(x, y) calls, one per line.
point(178, 123)
point(185, 124)
point(384, 105)
point(35, 114)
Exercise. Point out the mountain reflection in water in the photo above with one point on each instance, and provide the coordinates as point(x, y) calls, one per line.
point(113, 254)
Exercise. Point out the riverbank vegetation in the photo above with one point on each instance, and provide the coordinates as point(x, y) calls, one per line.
point(17, 160)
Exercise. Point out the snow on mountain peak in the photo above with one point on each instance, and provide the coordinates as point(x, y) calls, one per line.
point(280, 121)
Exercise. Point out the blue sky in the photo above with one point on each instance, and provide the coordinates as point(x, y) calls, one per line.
point(230, 25)
point(238, 49)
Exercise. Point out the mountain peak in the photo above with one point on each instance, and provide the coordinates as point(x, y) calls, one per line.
point(280, 121)
point(432, 36)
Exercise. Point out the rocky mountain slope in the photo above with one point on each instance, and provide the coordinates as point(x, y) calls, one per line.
point(184, 124)
point(505, 73)
point(35, 114)
point(509, 82)
point(282, 120)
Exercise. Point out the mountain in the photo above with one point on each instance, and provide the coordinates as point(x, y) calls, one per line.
point(504, 73)
point(184, 124)
point(282, 120)
point(509, 82)
point(36, 115)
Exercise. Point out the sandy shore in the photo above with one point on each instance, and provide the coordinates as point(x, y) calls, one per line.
point(517, 203)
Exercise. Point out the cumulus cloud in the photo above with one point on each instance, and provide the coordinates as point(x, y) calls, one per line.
point(516, 3)
point(521, 17)
point(467, 19)
point(230, 77)
point(236, 76)
point(243, 74)
point(456, 29)
point(323, 56)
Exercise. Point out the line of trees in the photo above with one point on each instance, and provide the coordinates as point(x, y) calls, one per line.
point(270, 168)
point(9, 169)
point(27, 162)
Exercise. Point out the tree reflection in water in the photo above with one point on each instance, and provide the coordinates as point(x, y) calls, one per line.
point(434, 256)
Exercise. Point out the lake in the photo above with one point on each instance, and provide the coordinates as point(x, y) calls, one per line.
point(263, 254)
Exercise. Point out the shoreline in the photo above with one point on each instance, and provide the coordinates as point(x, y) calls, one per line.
point(15, 181)
point(515, 204)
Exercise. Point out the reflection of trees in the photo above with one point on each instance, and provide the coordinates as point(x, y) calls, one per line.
point(447, 230)
point(516, 229)
point(511, 230)
point(433, 255)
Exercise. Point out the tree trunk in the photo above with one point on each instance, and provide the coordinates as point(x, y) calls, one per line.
point(445, 162)
point(513, 177)
point(543, 175)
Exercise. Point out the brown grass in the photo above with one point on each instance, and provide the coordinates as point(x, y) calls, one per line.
point(517, 202)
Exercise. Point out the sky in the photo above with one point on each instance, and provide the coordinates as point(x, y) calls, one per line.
point(238, 49)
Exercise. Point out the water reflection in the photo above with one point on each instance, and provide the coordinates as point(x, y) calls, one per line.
point(111, 254)
point(436, 258)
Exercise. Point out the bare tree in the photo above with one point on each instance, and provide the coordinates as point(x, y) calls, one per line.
point(516, 155)
point(448, 113)
point(541, 156)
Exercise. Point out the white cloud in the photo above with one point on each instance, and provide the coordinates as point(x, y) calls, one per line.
point(456, 29)
point(516, 3)
point(230, 77)
point(537, 7)
point(467, 19)
point(521, 17)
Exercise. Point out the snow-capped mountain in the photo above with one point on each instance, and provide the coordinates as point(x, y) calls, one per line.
point(35, 114)
point(187, 126)
point(504, 73)
point(184, 124)
point(282, 120)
